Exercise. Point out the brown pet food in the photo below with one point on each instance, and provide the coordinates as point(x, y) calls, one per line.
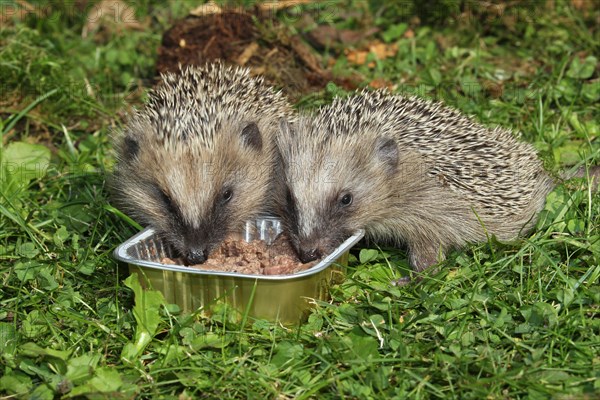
point(255, 258)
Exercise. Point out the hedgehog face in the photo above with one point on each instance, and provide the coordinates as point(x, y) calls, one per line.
point(195, 162)
point(195, 195)
point(334, 185)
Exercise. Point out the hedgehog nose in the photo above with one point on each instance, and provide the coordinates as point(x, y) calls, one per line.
point(196, 256)
point(308, 255)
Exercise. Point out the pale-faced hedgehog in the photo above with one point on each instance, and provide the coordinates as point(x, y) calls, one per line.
point(408, 171)
point(196, 161)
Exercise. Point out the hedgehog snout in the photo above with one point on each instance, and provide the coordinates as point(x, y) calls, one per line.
point(314, 246)
point(309, 254)
point(307, 249)
point(196, 256)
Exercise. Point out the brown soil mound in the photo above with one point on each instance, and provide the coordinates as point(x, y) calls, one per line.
point(266, 47)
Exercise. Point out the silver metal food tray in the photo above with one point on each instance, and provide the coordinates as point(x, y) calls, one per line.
point(283, 298)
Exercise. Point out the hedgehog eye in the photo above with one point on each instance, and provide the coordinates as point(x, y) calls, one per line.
point(227, 195)
point(346, 200)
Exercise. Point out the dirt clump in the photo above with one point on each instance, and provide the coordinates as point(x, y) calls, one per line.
point(252, 39)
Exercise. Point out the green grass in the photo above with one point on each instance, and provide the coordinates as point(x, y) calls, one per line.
point(500, 320)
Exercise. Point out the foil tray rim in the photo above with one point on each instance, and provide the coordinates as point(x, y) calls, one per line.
point(120, 253)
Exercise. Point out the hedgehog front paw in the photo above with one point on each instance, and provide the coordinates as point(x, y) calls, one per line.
point(405, 280)
point(421, 258)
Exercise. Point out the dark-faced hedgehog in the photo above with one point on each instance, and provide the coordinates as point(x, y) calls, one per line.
point(408, 171)
point(196, 161)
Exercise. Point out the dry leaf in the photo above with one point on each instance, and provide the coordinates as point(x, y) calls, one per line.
point(109, 14)
point(377, 48)
point(206, 9)
point(358, 57)
point(271, 52)
point(279, 5)
point(380, 83)
point(310, 59)
point(382, 50)
point(247, 53)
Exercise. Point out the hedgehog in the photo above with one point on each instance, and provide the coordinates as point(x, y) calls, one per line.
point(410, 172)
point(196, 161)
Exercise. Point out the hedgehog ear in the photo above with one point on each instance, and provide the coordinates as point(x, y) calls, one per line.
point(285, 128)
point(251, 136)
point(131, 148)
point(386, 151)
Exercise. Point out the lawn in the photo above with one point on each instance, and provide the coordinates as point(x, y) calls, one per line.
point(498, 321)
